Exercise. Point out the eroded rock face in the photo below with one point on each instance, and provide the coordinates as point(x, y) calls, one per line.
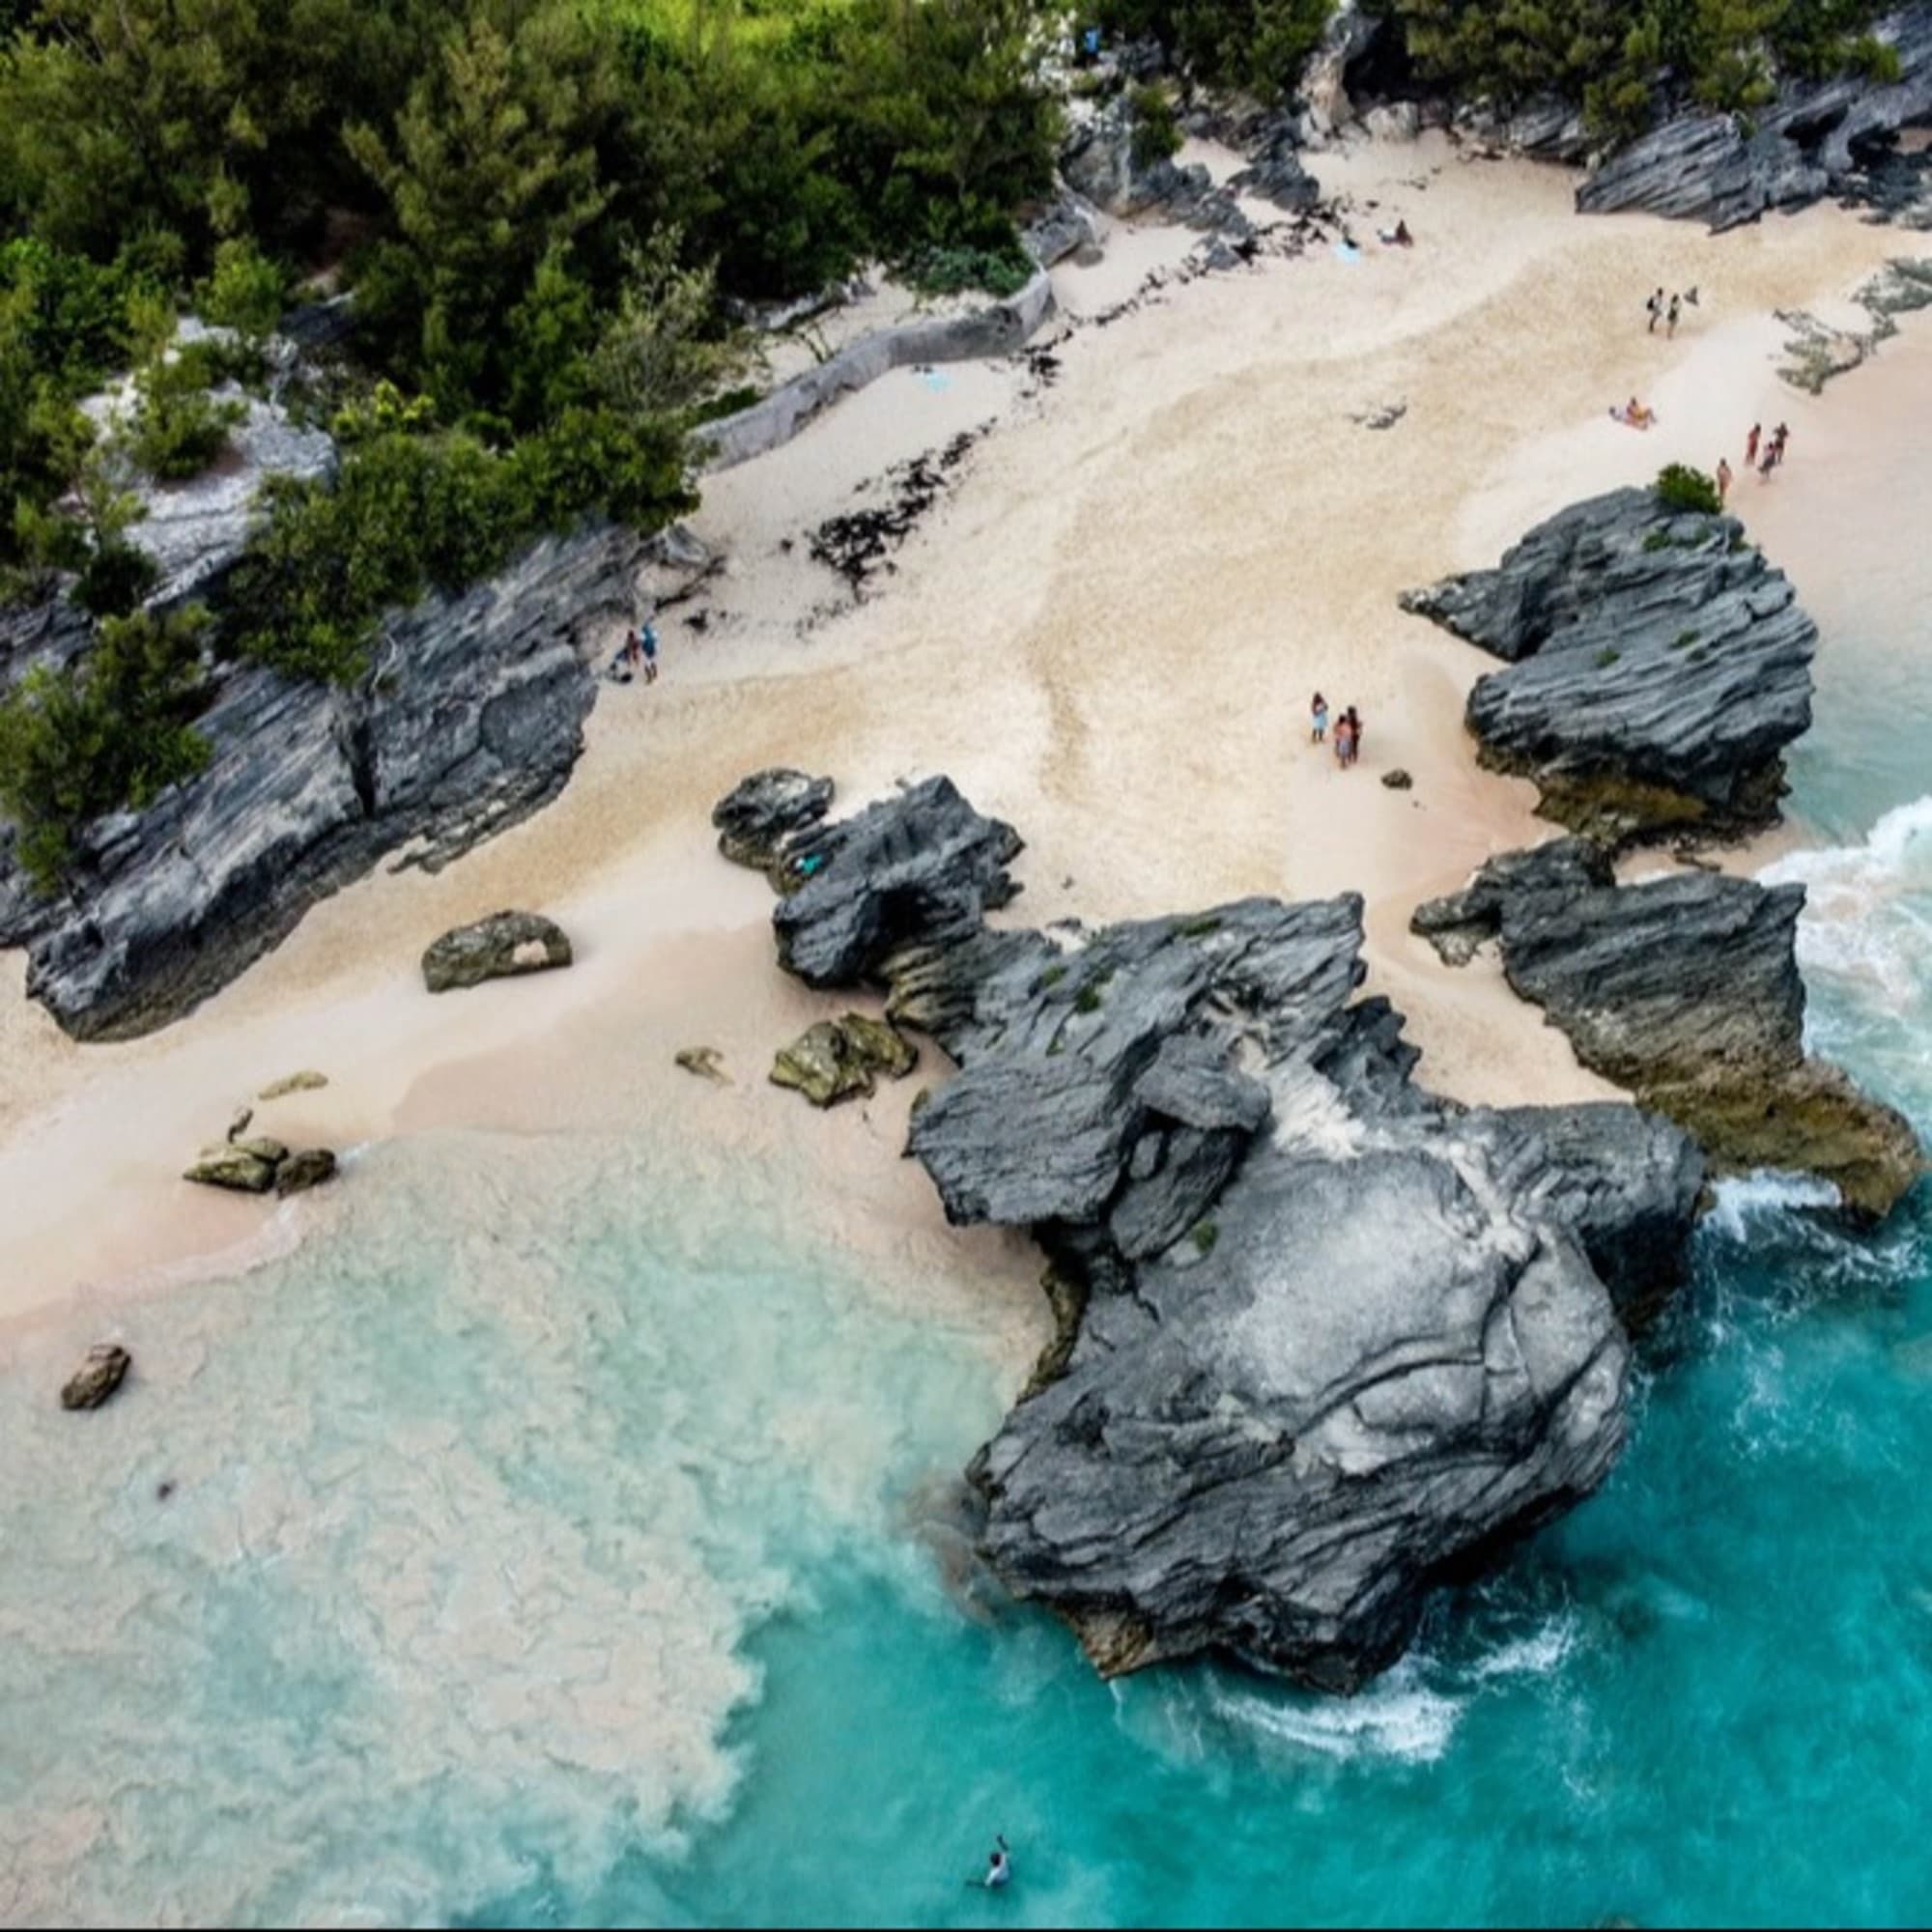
point(503, 946)
point(923, 866)
point(472, 717)
point(1658, 668)
point(839, 1059)
point(758, 818)
point(1098, 162)
point(1819, 139)
point(99, 1378)
point(1686, 990)
point(1324, 1336)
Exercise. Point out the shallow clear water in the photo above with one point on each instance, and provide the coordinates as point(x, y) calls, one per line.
point(552, 1544)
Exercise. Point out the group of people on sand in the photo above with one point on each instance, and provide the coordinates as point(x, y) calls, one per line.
point(1639, 416)
point(1772, 447)
point(638, 652)
point(1670, 312)
point(1348, 736)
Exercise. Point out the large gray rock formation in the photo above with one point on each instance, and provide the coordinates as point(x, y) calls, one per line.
point(1819, 139)
point(1326, 1339)
point(470, 718)
point(1098, 160)
point(1658, 668)
point(1687, 991)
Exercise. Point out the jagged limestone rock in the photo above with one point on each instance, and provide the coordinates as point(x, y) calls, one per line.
point(765, 813)
point(1817, 139)
point(1323, 1337)
point(1687, 991)
point(836, 1060)
point(1656, 668)
point(99, 1378)
point(241, 1168)
point(472, 717)
point(502, 947)
point(311, 1167)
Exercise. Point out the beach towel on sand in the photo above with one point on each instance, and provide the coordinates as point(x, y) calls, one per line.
point(1343, 252)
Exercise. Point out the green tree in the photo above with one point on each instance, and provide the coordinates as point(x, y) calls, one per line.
point(491, 168)
point(105, 735)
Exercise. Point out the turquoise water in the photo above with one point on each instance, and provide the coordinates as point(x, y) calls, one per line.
point(546, 1544)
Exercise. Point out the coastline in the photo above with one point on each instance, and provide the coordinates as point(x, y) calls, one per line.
point(1189, 516)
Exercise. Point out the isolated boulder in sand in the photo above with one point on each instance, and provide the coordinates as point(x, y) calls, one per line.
point(706, 1062)
point(760, 815)
point(502, 947)
point(243, 1167)
point(836, 1059)
point(1398, 780)
point(97, 1377)
point(301, 1171)
point(305, 1082)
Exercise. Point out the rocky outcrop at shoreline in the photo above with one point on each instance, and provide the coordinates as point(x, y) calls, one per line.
point(1326, 1338)
point(1819, 139)
point(470, 718)
point(1658, 668)
point(1684, 990)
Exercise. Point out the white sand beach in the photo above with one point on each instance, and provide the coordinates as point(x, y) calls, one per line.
point(1107, 631)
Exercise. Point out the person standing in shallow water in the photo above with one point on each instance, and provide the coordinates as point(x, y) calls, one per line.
point(1317, 719)
point(1723, 480)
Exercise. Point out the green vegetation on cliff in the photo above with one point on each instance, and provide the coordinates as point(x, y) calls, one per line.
point(1620, 60)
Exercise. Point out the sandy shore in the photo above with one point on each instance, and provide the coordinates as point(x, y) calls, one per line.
point(1106, 632)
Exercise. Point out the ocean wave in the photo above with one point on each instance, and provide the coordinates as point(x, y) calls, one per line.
point(1742, 1203)
point(1399, 1718)
point(1868, 917)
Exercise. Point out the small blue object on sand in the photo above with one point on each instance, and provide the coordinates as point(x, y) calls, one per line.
point(935, 381)
point(1347, 253)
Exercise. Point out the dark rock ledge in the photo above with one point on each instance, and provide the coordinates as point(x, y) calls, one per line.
point(1325, 1338)
point(470, 718)
point(1656, 668)
point(1687, 991)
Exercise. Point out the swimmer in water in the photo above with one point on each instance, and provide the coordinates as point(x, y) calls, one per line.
point(999, 1864)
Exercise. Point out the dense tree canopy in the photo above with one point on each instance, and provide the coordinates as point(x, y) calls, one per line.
point(1623, 60)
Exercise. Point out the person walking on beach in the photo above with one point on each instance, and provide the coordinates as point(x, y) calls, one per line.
point(1671, 328)
point(1354, 734)
point(1317, 719)
point(1723, 480)
point(1344, 743)
point(1653, 308)
point(647, 648)
point(1780, 436)
point(1750, 445)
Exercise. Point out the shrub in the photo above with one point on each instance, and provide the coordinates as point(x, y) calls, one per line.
point(114, 580)
point(1606, 657)
point(106, 734)
point(1679, 487)
point(412, 512)
point(1156, 132)
point(178, 429)
point(1203, 1235)
point(245, 291)
point(946, 271)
